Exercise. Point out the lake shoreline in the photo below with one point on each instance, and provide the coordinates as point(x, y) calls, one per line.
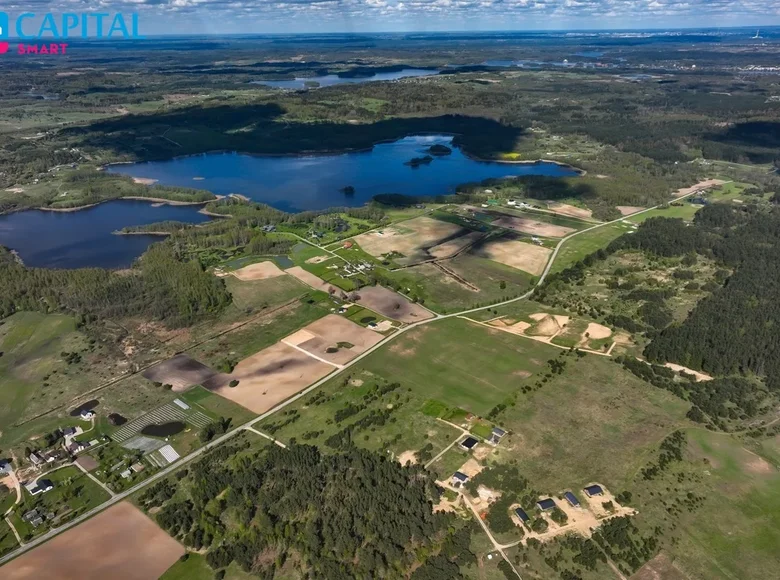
point(154, 201)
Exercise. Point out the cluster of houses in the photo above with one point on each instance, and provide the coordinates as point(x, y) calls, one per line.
point(35, 517)
point(134, 468)
point(547, 504)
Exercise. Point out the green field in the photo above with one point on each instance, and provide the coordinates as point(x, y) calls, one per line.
point(581, 245)
point(216, 406)
point(8, 541)
point(195, 568)
point(251, 296)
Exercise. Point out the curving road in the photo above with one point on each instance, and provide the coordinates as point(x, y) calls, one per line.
point(222, 439)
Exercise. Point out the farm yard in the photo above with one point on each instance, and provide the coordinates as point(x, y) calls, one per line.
point(120, 542)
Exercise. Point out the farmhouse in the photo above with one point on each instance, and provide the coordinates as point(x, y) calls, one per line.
point(496, 436)
point(41, 486)
point(572, 499)
point(33, 517)
point(87, 415)
point(593, 490)
point(459, 479)
point(545, 504)
point(521, 515)
point(469, 443)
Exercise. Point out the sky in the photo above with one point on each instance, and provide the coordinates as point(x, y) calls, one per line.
point(293, 16)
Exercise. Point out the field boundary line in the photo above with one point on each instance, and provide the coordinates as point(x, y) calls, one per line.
point(311, 354)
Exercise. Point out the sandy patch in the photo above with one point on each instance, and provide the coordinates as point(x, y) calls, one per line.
point(446, 505)
point(310, 279)
point(561, 319)
point(516, 328)
point(318, 259)
point(391, 304)
point(628, 209)
point(569, 210)
point(757, 464)
point(180, 371)
point(15, 190)
point(269, 377)
point(407, 457)
point(120, 543)
point(259, 271)
point(699, 375)
point(597, 331)
point(327, 333)
point(701, 186)
point(521, 255)
point(144, 180)
point(416, 239)
point(482, 452)
point(659, 568)
point(471, 468)
point(533, 227)
point(538, 316)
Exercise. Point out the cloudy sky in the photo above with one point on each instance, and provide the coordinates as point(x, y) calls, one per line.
point(246, 16)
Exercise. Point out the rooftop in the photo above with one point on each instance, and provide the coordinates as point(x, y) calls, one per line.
point(469, 442)
point(460, 476)
point(571, 498)
point(594, 490)
point(546, 504)
point(520, 512)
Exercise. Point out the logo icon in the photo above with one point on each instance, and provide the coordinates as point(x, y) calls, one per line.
point(4, 29)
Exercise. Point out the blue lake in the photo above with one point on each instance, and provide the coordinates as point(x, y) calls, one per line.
point(315, 182)
point(331, 80)
point(83, 238)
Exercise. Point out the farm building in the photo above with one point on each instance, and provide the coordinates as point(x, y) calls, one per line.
point(572, 499)
point(469, 443)
point(521, 515)
point(545, 504)
point(496, 435)
point(5, 467)
point(592, 490)
point(459, 478)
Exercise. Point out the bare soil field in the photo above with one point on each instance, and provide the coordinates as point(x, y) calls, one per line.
point(417, 239)
point(327, 333)
point(452, 247)
point(597, 332)
point(521, 255)
point(533, 227)
point(569, 210)
point(268, 377)
point(702, 185)
point(181, 372)
point(120, 543)
point(659, 568)
point(259, 271)
point(309, 279)
point(391, 304)
point(628, 209)
point(87, 462)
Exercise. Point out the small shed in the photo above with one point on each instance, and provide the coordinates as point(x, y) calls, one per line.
point(546, 504)
point(592, 490)
point(469, 443)
point(572, 499)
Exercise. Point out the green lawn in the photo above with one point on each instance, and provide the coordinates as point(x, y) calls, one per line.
point(8, 541)
point(216, 406)
point(685, 212)
point(460, 363)
point(581, 245)
point(195, 568)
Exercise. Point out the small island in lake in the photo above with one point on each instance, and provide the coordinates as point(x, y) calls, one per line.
point(439, 149)
point(348, 190)
point(417, 161)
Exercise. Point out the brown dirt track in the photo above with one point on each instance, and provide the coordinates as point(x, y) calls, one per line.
point(533, 227)
point(120, 543)
point(391, 304)
point(269, 377)
point(259, 271)
point(526, 257)
point(181, 371)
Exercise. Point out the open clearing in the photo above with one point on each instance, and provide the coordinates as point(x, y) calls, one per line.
point(569, 210)
point(391, 304)
point(628, 209)
point(269, 377)
point(533, 227)
point(334, 338)
point(120, 543)
point(259, 271)
point(521, 255)
point(181, 372)
point(702, 185)
point(418, 239)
